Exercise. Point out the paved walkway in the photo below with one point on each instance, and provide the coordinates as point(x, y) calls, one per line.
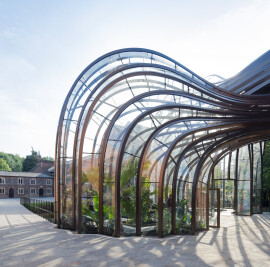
point(28, 240)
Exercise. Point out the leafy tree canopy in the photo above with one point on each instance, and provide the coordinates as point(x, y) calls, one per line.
point(4, 166)
point(13, 161)
point(18, 164)
point(30, 161)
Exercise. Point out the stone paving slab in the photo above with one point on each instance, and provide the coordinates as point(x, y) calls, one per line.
point(28, 240)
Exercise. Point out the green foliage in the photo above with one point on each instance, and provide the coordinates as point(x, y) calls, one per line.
point(128, 203)
point(127, 173)
point(91, 209)
point(128, 196)
point(30, 161)
point(14, 161)
point(108, 212)
point(167, 226)
point(92, 214)
point(18, 164)
point(183, 217)
point(84, 178)
point(148, 207)
point(128, 192)
point(4, 166)
point(127, 200)
point(201, 225)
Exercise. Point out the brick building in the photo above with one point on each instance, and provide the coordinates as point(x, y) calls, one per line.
point(29, 184)
point(44, 166)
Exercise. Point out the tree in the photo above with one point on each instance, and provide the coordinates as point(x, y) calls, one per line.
point(30, 161)
point(14, 161)
point(4, 166)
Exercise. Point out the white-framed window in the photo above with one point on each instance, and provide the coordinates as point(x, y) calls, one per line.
point(33, 181)
point(2, 180)
point(20, 180)
point(2, 190)
point(48, 182)
point(20, 191)
point(33, 191)
point(48, 191)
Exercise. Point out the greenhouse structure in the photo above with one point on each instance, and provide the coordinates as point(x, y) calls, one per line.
point(145, 146)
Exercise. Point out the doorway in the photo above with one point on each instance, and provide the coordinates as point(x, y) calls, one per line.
point(227, 193)
point(40, 192)
point(11, 193)
point(222, 199)
point(214, 207)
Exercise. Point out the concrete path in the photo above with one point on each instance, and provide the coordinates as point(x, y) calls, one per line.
point(28, 240)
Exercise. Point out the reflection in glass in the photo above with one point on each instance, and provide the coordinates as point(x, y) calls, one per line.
point(136, 122)
point(243, 197)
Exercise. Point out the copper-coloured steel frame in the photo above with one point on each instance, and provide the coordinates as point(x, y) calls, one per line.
point(141, 108)
point(180, 159)
point(184, 152)
point(236, 148)
point(242, 139)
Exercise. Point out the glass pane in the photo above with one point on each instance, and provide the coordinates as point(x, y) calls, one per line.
point(257, 205)
point(232, 165)
point(183, 207)
point(167, 200)
point(201, 206)
point(243, 197)
point(213, 208)
point(90, 197)
point(149, 200)
point(229, 194)
point(128, 183)
point(66, 218)
point(243, 164)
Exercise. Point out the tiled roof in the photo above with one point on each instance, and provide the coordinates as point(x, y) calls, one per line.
point(51, 169)
point(24, 174)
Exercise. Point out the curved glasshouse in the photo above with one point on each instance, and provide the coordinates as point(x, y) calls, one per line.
point(147, 147)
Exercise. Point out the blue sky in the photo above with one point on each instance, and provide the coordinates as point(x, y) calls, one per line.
point(44, 45)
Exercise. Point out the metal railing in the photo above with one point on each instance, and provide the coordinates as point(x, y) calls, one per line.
point(45, 209)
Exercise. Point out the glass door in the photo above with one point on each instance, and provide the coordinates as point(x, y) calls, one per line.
point(214, 207)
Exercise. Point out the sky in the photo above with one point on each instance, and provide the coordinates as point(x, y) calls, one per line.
point(45, 45)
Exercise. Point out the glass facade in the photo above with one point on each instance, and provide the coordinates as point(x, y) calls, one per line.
point(141, 142)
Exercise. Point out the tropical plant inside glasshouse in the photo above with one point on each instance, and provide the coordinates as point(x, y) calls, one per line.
point(128, 196)
point(183, 217)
